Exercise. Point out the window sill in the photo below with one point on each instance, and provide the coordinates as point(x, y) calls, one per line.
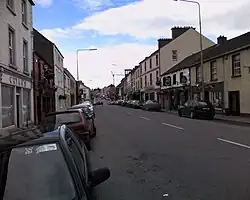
point(213, 80)
point(26, 72)
point(13, 66)
point(25, 26)
point(237, 76)
point(11, 10)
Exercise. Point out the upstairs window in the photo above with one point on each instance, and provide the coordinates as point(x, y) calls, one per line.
point(236, 71)
point(174, 55)
point(213, 71)
point(24, 12)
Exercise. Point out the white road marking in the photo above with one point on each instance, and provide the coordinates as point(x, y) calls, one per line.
point(173, 126)
point(145, 118)
point(235, 143)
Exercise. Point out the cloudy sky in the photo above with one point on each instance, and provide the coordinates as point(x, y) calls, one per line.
point(126, 31)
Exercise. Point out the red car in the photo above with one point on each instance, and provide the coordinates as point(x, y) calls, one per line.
point(75, 119)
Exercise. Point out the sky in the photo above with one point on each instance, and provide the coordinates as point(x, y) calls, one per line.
point(124, 32)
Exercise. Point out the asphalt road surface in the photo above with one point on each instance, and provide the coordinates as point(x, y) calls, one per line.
point(155, 156)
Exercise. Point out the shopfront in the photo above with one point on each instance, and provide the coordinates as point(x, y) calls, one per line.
point(16, 100)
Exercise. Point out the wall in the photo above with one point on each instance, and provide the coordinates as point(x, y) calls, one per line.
point(186, 44)
point(59, 79)
point(241, 83)
point(154, 68)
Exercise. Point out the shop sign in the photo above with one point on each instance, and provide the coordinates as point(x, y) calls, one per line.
point(12, 80)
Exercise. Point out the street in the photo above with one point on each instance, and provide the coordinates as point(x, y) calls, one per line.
point(154, 156)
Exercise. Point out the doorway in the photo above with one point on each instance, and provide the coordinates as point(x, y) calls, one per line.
point(206, 95)
point(234, 102)
point(18, 110)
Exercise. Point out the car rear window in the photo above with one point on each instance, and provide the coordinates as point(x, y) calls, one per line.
point(36, 173)
point(64, 118)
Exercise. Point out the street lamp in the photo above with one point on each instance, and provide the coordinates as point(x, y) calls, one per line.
point(77, 64)
point(201, 47)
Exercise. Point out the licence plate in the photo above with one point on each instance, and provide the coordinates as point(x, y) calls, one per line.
point(206, 108)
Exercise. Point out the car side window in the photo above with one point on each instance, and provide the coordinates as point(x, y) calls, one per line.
point(77, 156)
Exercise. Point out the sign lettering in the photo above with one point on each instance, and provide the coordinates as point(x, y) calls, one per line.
point(17, 81)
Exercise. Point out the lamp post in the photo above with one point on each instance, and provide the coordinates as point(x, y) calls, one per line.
point(201, 46)
point(77, 64)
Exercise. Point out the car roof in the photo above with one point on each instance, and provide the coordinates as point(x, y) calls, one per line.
point(29, 136)
point(64, 111)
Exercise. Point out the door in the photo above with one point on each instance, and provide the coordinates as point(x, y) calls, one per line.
point(18, 110)
point(206, 95)
point(39, 115)
point(234, 102)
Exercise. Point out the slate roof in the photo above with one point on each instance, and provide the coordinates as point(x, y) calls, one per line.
point(213, 52)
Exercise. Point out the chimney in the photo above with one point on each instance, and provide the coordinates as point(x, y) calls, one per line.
point(221, 39)
point(162, 42)
point(177, 31)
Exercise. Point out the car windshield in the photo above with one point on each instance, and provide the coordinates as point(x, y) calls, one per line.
point(36, 173)
point(202, 103)
point(64, 118)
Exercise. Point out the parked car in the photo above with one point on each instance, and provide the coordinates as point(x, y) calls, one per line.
point(53, 165)
point(150, 105)
point(76, 120)
point(137, 104)
point(196, 109)
point(90, 119)
point(88, 104)
point(97, 103)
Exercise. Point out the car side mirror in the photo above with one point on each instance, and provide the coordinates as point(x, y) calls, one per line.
point(99, 176)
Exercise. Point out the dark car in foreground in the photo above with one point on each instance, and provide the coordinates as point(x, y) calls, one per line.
point(55, 165)
point(197, 109)
point(75, 119)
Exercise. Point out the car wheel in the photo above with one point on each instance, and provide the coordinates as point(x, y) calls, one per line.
point(180, 114)
point(191, 115)
point(211, 117)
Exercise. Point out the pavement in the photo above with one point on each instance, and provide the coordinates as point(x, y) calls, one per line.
point(155, 156)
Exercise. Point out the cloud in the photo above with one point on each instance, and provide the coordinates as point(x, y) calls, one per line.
point(93, 5)
point(143, 20)
point(95, 67)
point(44, 3)
point(154, 18)
point(55, 35)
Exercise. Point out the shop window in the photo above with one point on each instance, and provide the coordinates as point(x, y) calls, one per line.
point(7, 106)
point(26, 105)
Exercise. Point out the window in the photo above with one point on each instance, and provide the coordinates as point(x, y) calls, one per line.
point(140, 69)
point(145, 81)
point(151, 79)
point(26, 105)
point(181, 75)
point(145, 66)
point(25, 56)
point(10, 4)
point(7, 106)
point(77, 156)
point(150, 63)
point(236, 71)
point(24, 12)
point(157, 74)
point(141, 82)
point(213, 71)
point(11, 46)
point(174, 55)
point(198, 74)
point(174, 79)
point(51, 181)
point(157, 60)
